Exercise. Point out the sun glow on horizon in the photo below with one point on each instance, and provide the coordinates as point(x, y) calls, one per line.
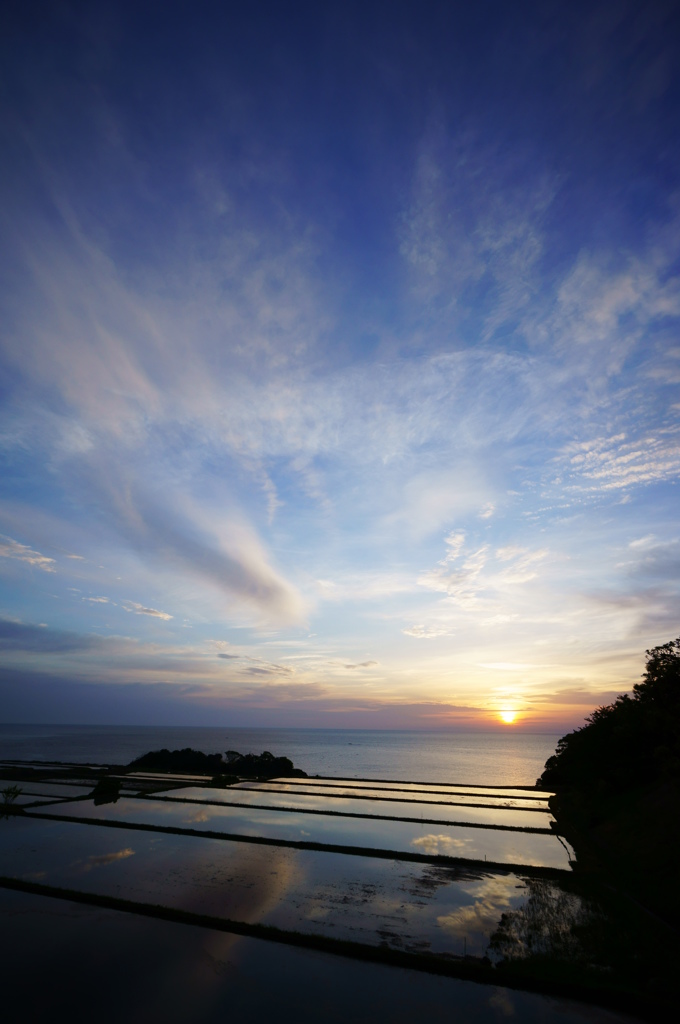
point(507, 716)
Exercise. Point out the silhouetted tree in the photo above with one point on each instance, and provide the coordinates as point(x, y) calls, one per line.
point(194, 762)
point(107, 790)
point(547, 924)
point(634, 740)
point(185, 762)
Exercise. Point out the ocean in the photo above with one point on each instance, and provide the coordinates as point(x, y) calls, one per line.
point(500, 759)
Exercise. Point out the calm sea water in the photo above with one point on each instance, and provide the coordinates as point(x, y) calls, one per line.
point(509, 759)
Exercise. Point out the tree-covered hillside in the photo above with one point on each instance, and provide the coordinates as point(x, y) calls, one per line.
point(617, 786)
point(635, 740)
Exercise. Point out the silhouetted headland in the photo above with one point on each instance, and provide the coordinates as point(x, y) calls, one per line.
point(617, 785)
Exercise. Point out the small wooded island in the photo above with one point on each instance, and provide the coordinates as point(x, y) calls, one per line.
point(188, 762)
point(194, 762)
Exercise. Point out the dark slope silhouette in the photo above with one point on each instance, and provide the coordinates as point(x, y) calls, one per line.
point(617, 785)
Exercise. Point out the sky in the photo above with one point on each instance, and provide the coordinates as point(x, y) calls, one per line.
point(339, 361)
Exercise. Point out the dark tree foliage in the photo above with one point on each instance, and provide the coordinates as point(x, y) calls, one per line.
point(7, 804)
point(107, 791)
point(547, 924)
point(635, 740)
point(263, 766)
point(194, 762)
point(185, 762)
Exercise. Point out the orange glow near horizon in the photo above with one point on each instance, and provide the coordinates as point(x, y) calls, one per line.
point(507, 716)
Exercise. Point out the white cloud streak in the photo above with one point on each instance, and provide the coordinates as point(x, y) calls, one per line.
point(10, 548)
point(139, 609)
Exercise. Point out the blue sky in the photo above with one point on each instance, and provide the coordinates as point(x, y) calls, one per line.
point(340, 360)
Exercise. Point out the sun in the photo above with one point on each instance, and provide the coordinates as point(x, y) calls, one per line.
point(507, 716)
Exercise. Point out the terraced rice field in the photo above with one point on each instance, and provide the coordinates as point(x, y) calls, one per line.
point(366, 869)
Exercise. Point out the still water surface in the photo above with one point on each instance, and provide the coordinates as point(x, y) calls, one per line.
point(138, 969)
point(430, 791)
point(422, 907)
point(379, 808)
point(419, 907)
point(507, 758)
point(433, 840)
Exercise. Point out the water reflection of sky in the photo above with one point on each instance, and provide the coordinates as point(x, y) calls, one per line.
point(384, 808)
point(23, 799)
point(172, 972)
point(416, 787)
point(406, 905)
point(50, 789)
point(388, 795)
point(480, 844)
point(474, 920)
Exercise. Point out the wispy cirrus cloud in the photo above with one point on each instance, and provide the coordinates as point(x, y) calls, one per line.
point(465, 582)
point(471, 224)
point(653, 558)
point(594, 300)
point(139, 609)
point(579, 696)
point(620, 462)
point(222, 552)
point(10, 548)
point(422, 632)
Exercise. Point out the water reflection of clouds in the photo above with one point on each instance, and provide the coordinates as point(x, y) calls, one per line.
point(461, 841)
point(336, 795)
point(198, 817)
point(531, 816)
point(439, 844)
point(451, 909)
point(412, 789)
point(317, 913)
point(475, 917)
point(491, 896)
point(503, 890)
point(502, 1000)
point(101, 860)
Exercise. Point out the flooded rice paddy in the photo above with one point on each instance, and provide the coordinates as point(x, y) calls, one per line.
point(132, 968)
point(439, 813)
point(417, 907)
point(472, 842)
point(446, 789)
point(54, 790)
point(387, 794)
point(419, 870)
